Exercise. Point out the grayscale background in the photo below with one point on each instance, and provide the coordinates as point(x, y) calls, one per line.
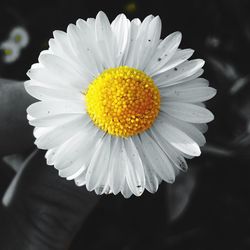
point(207, 208)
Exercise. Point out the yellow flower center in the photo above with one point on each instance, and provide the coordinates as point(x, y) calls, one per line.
point(18, 38)
point(123, 101)
point(7, 52)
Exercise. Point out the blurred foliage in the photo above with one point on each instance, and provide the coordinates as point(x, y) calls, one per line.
point(217, 214)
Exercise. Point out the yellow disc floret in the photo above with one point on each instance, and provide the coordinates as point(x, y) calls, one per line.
point(123, 101)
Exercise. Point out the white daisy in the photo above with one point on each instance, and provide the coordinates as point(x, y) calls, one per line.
point(120, 109)
point(9, 51)
point(20, 36)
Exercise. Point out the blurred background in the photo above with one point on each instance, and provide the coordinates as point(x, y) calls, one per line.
point(209, 206)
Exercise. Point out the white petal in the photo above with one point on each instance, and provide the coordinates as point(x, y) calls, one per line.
point(91, 22)
point(46, 78)
point(61, 47)
point(73, 157)
point(81, 179)
point(40, 131)
point(134, 168)
point(75, 169)
point(117, 166)
point(179, 57)
point(87, 34)
point(50, 155)
point(152, 180)
point(186, 155)
point(188, 95)
point(81, 146)
point(195, 83)
point(60, 134)
point(45, 93)
point(162, 84)
point(177, 138)
point(81, 50)
point(173, 154)
point(53, 120)
point(157, 158)
point(121, 31)
point(126, 192)
point(201, 126)
point(166, 49)
point(72, 160)
point(130, 56)
point(141, 40)
point(97, 171)
point(49, 108)
point(179, 73)
point(105, 39)
point(182, 71)
point(187, 112)
point(149, 43)
point(201, 104)
point(63, 71)
point(138, 41)
point(187, 128)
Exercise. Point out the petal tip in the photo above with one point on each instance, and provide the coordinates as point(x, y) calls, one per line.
point(101, 14)
point(178, 35)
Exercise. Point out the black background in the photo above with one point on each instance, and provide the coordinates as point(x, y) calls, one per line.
point(217, 215)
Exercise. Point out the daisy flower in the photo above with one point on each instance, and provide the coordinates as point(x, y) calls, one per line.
point(120, 108)
point(20, 36)
point(9, 51)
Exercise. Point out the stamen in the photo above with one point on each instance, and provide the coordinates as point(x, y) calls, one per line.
point(123, 101)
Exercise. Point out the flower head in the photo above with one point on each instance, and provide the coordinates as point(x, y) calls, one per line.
point(120, 108)
point(9, 51)
point(20, 36)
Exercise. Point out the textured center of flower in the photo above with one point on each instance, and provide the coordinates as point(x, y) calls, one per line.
point(18, 38)
point(123, 101)
point(7, 52)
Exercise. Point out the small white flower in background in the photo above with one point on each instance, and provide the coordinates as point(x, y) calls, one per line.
point(20, 36)
point(120, 109)
point(10, 52)
point(11, 49)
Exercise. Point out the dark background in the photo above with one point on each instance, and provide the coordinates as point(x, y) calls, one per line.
point(209, 207)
